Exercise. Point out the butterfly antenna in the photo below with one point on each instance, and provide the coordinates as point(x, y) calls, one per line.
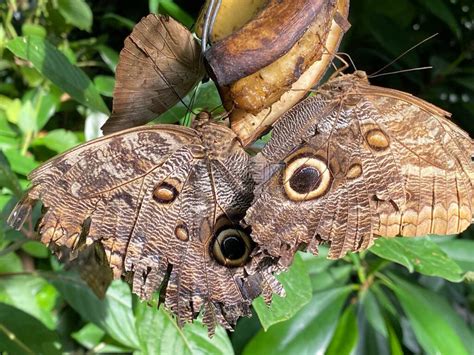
point(400, 71)
point(209, 19)
point(401, 55)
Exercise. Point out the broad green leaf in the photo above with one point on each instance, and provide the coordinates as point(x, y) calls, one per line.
point(345, 335)
point(461, 251)
point(334, 276)
point(105, 84)
point(373, 312)
point(27, 118)
point(31, 294)
point(36, 249)
point(58, 140)
point(76, 13)
point(442, 11)
point(113, 314)
point(20, 164)
point(418, 254)
point(308, 332)
point(5, 128)
point(54, 65)
point(10, 262)
point(297, 286)
point(21, 333)
point(438, 328)
point(8, 179)
point(30, 29)
point(45, 104)
point(89, 336)
point(158, 333)
point(109, 56)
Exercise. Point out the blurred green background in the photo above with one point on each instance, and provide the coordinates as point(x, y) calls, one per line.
point(57, 62)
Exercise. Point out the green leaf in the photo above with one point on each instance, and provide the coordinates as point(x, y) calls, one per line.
point(153, 6)
point(158, 333)
point(45, 104)
point(437, 327)
point(297, 286)
point(308, 332)
point(58, 140)
point(442, 11)
point(21, 333)
point(113, 314)
point(109, 56)
point(8, 179)
point(27, 119)
point(89, 336)
point(345, 336)
point(373, 313)
point(204, 96)
point(54, 65)
point(119, 20)
point(10, 262)
point(36, 249)
point(461, 251)
point(30, 29)
point(169, 7)
point(31, 294)
point(394, 343)
point(20, 164)
point(76, 13)
point(105, 84)
point(418, 254)
point(335, 276)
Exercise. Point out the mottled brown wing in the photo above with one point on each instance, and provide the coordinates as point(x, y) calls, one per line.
point(159, 64)
point(160, 200)
point(355, 162)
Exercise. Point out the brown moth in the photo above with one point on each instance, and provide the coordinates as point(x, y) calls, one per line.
point(355, 162)
point(159, 64)
point(165, 203)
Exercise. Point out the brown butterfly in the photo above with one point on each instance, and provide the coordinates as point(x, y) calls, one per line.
point(355, 162)
point(164, 201)
point(159, 64)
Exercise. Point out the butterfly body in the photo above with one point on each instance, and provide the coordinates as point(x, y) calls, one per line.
point(164, 202)
point(357, 161)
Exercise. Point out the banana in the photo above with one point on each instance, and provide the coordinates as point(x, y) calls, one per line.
point(249, 126)
point(274, 57)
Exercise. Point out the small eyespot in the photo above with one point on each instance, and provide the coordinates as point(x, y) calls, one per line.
point(377, 139)
point(231, 247)
point(306, 178)
point(181, 232)
point(165, 193)
point(354, 171)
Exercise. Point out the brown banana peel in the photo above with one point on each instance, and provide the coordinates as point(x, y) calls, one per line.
point(249, 127)
point(256, 101)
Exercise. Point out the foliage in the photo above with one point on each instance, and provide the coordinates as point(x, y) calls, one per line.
point(57, 61)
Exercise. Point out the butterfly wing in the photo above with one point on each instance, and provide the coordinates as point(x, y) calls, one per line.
point(354, 162)
point(159, 64)
point(152, 197)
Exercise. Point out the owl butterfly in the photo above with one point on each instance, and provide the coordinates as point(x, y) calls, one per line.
point(159, 64)
point(164, 202)
point(356, 161)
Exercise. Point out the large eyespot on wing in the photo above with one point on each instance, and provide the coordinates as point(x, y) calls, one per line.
point(306, 178)
point(159, 64)
point(156, 223)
